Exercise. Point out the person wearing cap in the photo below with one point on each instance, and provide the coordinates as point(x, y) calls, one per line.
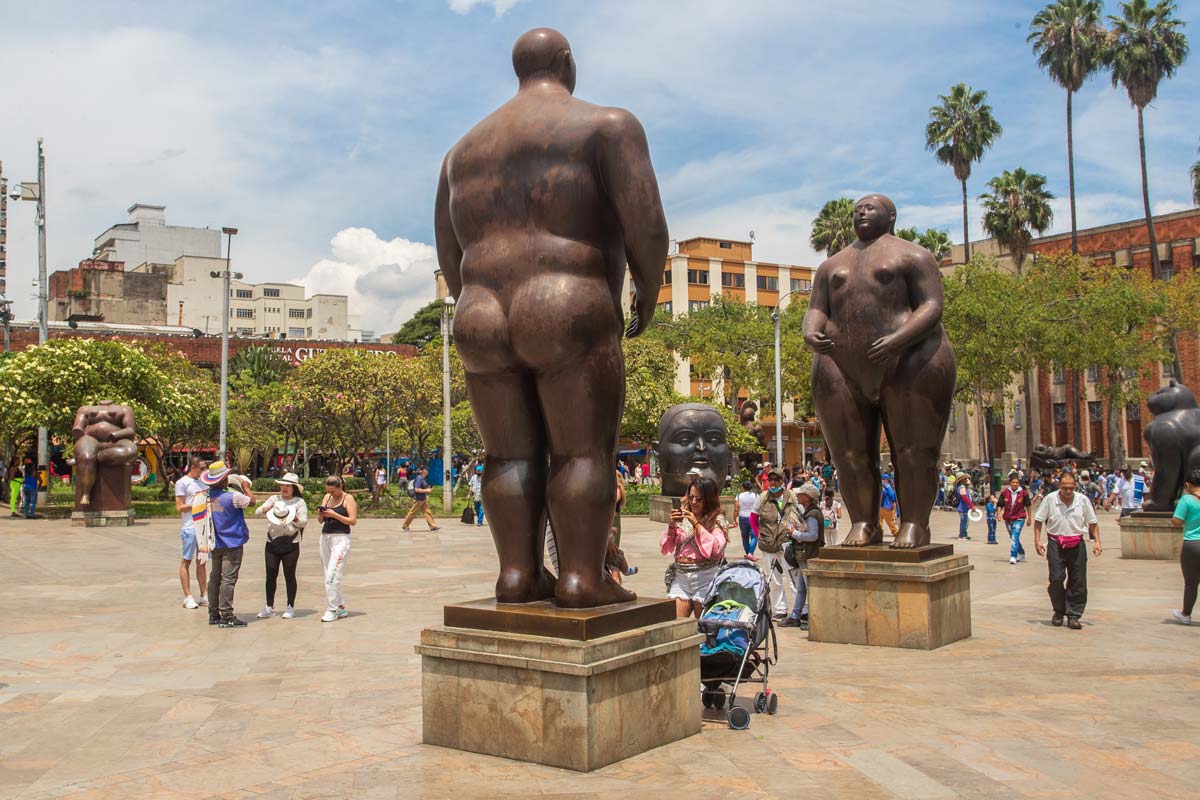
point(1068, 517)
point(775, 517)
point(186, 489)
point(225, 508)
point(476, 484)
point(963, 503)
point(286, 515)
point(807, 540)
point(420, 505)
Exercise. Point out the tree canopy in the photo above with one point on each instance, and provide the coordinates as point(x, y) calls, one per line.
point(423, 327)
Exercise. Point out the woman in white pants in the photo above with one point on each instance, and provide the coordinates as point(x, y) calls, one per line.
point(338, 513)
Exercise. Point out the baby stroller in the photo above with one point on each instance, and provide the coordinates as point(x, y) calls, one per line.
point(737, 623)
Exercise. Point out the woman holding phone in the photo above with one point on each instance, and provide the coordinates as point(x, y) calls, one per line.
point(338, 514)
point(696, 537)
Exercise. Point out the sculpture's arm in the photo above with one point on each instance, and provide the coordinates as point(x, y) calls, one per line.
point(126, 431)
point(449, 251)
point(77, 427)
point(925, 294)
point(623, 156)
point(817, 315)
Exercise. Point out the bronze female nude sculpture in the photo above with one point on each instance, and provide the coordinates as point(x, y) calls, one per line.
point(104, 436)
point(875, 322)
point(539, 207)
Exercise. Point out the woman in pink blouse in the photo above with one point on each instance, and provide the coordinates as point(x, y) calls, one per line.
point(696, 537)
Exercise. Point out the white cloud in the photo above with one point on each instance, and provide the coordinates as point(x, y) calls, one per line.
point(387, 281)
point(499, 6)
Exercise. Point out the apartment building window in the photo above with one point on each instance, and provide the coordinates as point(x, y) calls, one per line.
point(667, 277)
point(310, 331)
point(296, 313)
point(245, 313)
point(270, 293)
point(1166, 268)
point(1093, 374)
point(768, 283)
point(1059, 375)
point(733, 280)
point(308, 315)
point(698, 277)
point(243, 294)
point(726, 245)
point(801, 285)
point(297, 333)
point(667, 307)
point(245, 331)
point(696, 305)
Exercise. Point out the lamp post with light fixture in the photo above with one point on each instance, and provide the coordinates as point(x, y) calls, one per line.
point(447, 490)
point(225, 275)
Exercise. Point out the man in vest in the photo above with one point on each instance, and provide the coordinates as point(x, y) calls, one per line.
point(774, 518)
point(807, 540)
point(229, 525)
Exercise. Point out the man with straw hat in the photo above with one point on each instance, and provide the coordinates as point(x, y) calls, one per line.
point(231, 534)
point(963, 503)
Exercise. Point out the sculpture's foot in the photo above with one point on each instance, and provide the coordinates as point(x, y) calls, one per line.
point(575, 592)
point(515, 586)
point(862, 534)
point(911, 535)
point(84, 500)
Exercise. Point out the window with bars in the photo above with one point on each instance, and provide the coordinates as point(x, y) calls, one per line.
point(1133, 412)
point(1095, 411)
point(1060, 413)
point(244, 313)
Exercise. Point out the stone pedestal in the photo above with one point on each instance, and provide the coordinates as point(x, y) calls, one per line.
point(110, 492)
point(102, 519)
point(660, 508)
point(1150, 535)
point(918, 599)
point(577, 704)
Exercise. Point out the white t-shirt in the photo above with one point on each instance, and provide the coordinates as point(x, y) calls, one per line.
point(1061, 519)
point(187, 487)
point(746, 502)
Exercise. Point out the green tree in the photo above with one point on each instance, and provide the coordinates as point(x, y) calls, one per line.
point(1068, 39)
point(961, 128)
point(1196, 182)
point(424, 326)
point(833, 227)
point(649, 385)
point(936, 242)
point(258, 365)
point(1018, 204)
point(255, 432)
point(1147, 46)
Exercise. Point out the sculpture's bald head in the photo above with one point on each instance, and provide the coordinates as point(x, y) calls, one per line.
point(544, 53)
point(874, 215)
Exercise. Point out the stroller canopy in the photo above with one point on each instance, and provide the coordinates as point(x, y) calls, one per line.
point(740, 581)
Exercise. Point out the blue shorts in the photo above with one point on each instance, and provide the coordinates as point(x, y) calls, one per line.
point(187, 537)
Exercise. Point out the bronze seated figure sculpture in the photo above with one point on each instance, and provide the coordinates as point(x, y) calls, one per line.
point(105, 448)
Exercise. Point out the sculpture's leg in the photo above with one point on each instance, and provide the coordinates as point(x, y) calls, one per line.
point(122, 452)
point(1169, 468)
point(514, 481)
point(85, 467)
point(916, 407)
point(851, 427)
point(582, 403)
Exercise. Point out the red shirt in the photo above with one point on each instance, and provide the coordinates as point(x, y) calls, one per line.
point(1013, 503)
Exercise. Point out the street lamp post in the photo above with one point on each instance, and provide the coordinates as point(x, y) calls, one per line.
point(447, 490)
point(776, 313)
point(225, 275)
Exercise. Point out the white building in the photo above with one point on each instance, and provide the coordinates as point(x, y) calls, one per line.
point(148, 239)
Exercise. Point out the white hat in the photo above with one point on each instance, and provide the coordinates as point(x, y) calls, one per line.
point(243, 480)
point(281, 513)
point(289, 479)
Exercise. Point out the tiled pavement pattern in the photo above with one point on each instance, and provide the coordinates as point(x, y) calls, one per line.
point(109, 689)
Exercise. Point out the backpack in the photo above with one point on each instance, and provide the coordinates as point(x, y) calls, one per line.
point(468, 516)
point(1139, 488)
point(412, 489)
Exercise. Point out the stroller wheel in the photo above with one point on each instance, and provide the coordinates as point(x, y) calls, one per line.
point(760, 702)
point(739, 718)
point(772, 703)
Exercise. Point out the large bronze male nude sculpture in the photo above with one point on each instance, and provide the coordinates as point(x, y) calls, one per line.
point(539, 207)
point(104, 436)
point(875, 322)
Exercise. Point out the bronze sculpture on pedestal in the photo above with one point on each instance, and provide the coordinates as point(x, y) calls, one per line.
point(881, 356)
point(104, 439)
point(691, 436)
point(539, 207)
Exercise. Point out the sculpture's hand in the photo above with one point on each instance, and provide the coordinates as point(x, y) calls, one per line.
point(819, 342)
point(884, 349)
point(640, 316)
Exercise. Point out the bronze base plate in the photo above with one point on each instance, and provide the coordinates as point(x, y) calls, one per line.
point(1152, 514)
point(881, 552)
point(546, 619)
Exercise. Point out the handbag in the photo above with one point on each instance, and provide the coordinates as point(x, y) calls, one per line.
point(281, 545)
point(669, 575)
point(468, 516)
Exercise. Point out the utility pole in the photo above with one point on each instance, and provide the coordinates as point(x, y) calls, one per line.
point(447, 489)
point(3, 238)
point(225, 275)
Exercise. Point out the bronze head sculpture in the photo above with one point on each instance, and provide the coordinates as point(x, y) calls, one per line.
point(691, 436)
point(539, 207)
point(881, 357)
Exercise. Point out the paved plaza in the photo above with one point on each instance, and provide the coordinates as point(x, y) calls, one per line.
point(109, 689)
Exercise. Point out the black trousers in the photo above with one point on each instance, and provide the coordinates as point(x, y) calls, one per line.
point(1068, 577)
point(1189, 561)
point(289, 563)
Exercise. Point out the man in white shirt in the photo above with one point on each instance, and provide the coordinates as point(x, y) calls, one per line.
point(1130, 491)
point(186, 489)
point(1068, 517)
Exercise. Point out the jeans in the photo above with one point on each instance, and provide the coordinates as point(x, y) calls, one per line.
point(940, 496)
point(991, 521)
point(29, 506)
point(1189, 562)
point(1014, 531)
point(1068, 578)
point(800, 584)
point(478, 512)
point(749, 540)
point(224, 565)
point(962, 524)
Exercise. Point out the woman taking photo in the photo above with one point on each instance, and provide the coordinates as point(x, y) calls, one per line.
point(1187, 516)
point(696, 537)
point(286, 516)
point(338, 514)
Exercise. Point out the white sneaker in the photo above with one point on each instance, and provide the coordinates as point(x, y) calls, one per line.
point(203, 600)
point(266, 612)
point(288, 613)
point(1020, 558)
point(330, 616)
point(190, 602)
point(1012, 560)
point(1181, 618)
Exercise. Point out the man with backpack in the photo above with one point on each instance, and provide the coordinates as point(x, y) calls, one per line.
point(1130, 490)
point(806, 542)
point(419, 490)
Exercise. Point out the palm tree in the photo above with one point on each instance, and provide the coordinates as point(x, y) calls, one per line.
point(936, 242)
point(1196, 182)
point(1068, 39)
point(1017, 205)
point(1146, 46)
point(960, 129)
point(833, 227)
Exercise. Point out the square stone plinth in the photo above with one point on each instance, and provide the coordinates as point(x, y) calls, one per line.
point(1150, 536)
point(574, 704)
point(922, 605)
point(102, 519)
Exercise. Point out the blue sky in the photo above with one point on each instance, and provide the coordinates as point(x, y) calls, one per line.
point(318, 128)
